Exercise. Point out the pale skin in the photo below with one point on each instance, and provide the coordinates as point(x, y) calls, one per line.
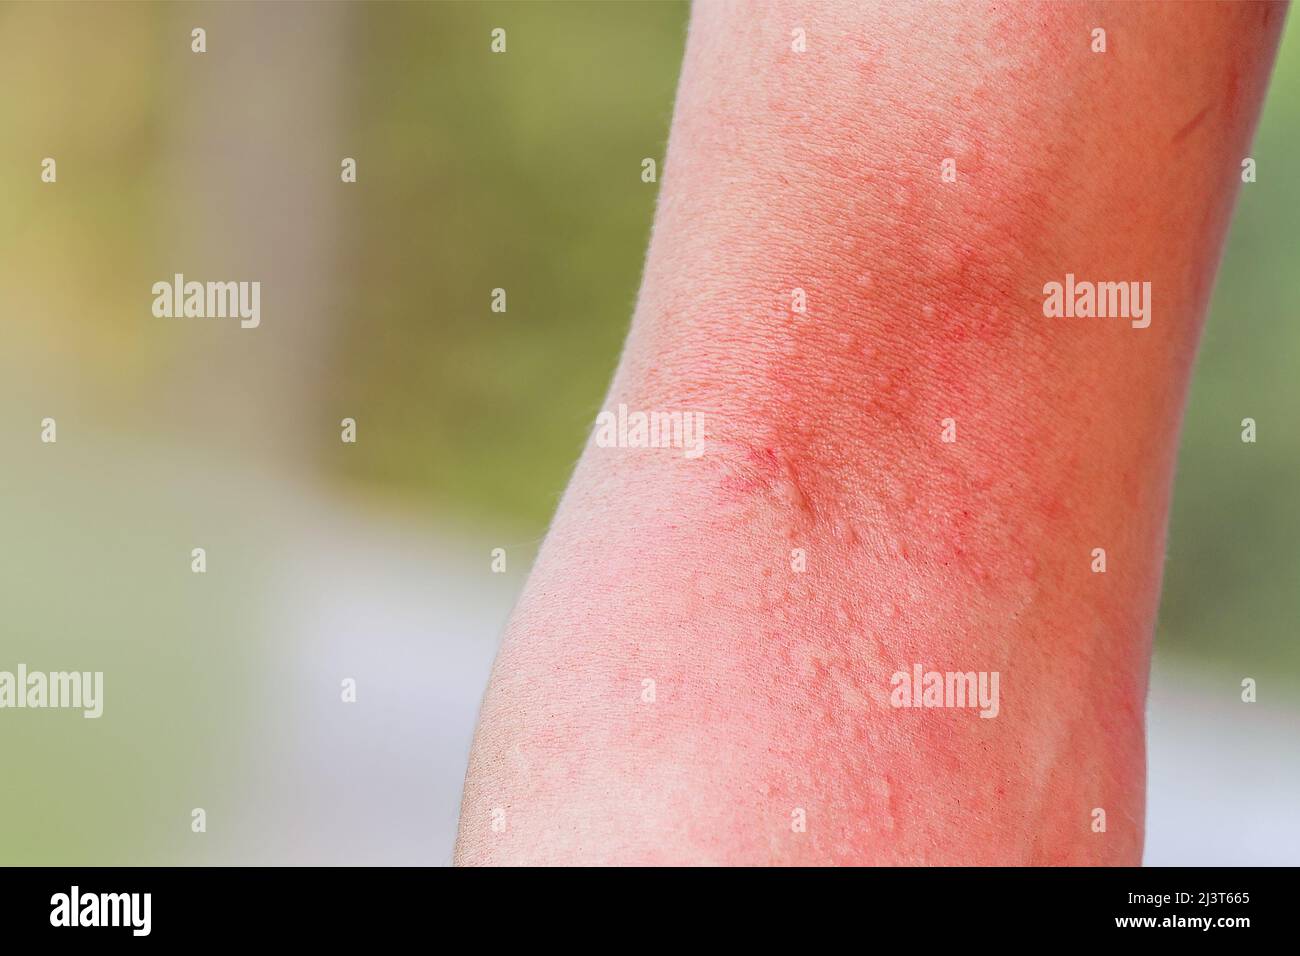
point(771, 698)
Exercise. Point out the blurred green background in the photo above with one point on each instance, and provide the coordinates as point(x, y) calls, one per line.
point(327, 561)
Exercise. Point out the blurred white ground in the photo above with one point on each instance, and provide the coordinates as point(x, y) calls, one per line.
point(1223, 777)
point(414, 616)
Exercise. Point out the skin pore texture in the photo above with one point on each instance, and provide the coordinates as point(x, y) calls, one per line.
point(821, 171)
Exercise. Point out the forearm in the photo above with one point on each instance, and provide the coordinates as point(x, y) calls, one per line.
point(772, 693)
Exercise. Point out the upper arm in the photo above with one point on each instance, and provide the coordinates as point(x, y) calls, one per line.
point(821, 171)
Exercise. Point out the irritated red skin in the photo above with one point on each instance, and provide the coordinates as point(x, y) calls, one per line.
point(821, 170)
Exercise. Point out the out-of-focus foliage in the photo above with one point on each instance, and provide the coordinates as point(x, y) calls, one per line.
point(1232, 577)
point(519, 171)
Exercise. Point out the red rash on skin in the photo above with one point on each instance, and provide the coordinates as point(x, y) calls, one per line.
point(821, 171)
point(1189, 126)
